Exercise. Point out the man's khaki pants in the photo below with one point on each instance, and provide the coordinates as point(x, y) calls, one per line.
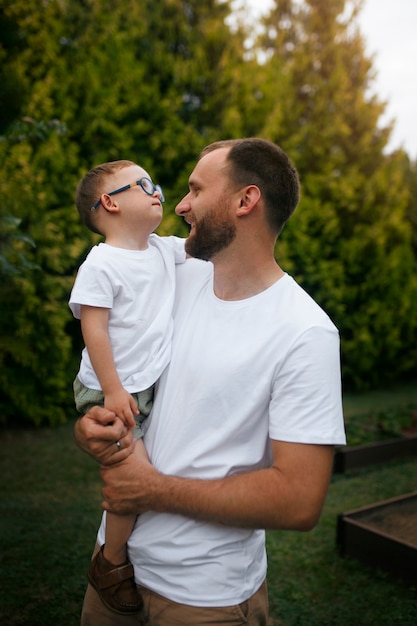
point(158, 611)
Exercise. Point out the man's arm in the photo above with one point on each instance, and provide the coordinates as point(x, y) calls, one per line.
point(289, 495)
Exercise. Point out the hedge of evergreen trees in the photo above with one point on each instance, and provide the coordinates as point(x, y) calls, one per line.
point(154, 81)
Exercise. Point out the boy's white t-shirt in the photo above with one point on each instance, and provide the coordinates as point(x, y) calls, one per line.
point(138, 287)
point(240, 372)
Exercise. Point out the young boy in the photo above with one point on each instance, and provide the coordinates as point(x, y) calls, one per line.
point(123, 295)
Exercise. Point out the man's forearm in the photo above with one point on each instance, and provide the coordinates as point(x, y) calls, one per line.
point(259, 499)
point(267, 498)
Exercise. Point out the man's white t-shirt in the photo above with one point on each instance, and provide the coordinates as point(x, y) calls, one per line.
point(138, 288)
point(241, 372)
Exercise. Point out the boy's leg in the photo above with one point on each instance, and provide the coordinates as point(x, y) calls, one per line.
point(110, 572)
point(119, 527)
point(118, 530)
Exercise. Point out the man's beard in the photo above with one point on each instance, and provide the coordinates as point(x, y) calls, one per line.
point(212, 233)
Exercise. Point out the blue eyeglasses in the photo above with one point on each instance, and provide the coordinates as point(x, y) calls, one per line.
point(145, 183)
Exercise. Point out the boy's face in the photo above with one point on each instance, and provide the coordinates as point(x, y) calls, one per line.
point(134, 203)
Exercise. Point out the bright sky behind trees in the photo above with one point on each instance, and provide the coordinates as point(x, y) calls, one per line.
point(389, 30)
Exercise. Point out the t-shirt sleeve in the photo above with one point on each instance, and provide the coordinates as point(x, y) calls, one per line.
point(178, 246)
point(92, 287)
point(306, 402)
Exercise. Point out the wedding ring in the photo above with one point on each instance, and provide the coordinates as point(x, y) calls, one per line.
point(118, 445)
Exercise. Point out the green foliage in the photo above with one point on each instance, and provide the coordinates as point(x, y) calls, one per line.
point(349, 243)
point(91, 81)
point(98, 81)
point(35, 351)
point(12, 258)
point(410, 173)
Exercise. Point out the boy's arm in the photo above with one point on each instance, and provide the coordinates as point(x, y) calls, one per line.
point(94, 326)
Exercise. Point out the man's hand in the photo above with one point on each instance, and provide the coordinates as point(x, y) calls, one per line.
point(130, 487)
point(97, 434)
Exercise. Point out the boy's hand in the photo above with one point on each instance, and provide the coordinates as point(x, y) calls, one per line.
point(122, 403)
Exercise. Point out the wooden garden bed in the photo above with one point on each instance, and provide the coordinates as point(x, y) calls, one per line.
point(355, 457)
point(383, 535)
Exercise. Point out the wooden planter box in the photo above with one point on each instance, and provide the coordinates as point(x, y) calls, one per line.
point(382, 535)
point(354, 457)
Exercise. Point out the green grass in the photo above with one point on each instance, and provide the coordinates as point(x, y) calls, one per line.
point(379, 399)
point(49, 513)
point(311, 585)
point(50, 510)
point(380, 415)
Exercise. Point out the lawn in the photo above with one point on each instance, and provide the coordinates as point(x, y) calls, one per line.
point(50, 509)
point(380, 399)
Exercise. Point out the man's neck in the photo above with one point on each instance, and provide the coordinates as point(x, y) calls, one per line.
point(239, 282)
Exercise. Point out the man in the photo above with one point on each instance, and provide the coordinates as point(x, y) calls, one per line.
point(246, 415)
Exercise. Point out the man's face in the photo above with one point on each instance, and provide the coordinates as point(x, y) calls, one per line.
point(208, 207)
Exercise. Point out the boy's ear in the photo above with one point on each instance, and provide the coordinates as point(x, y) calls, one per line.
point(248, 201)
point(109, 204)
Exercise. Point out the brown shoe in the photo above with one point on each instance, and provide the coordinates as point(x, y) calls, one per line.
point(115, 585)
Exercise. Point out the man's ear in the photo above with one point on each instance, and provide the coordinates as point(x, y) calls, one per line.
point(109, 204)
point(249, 200)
